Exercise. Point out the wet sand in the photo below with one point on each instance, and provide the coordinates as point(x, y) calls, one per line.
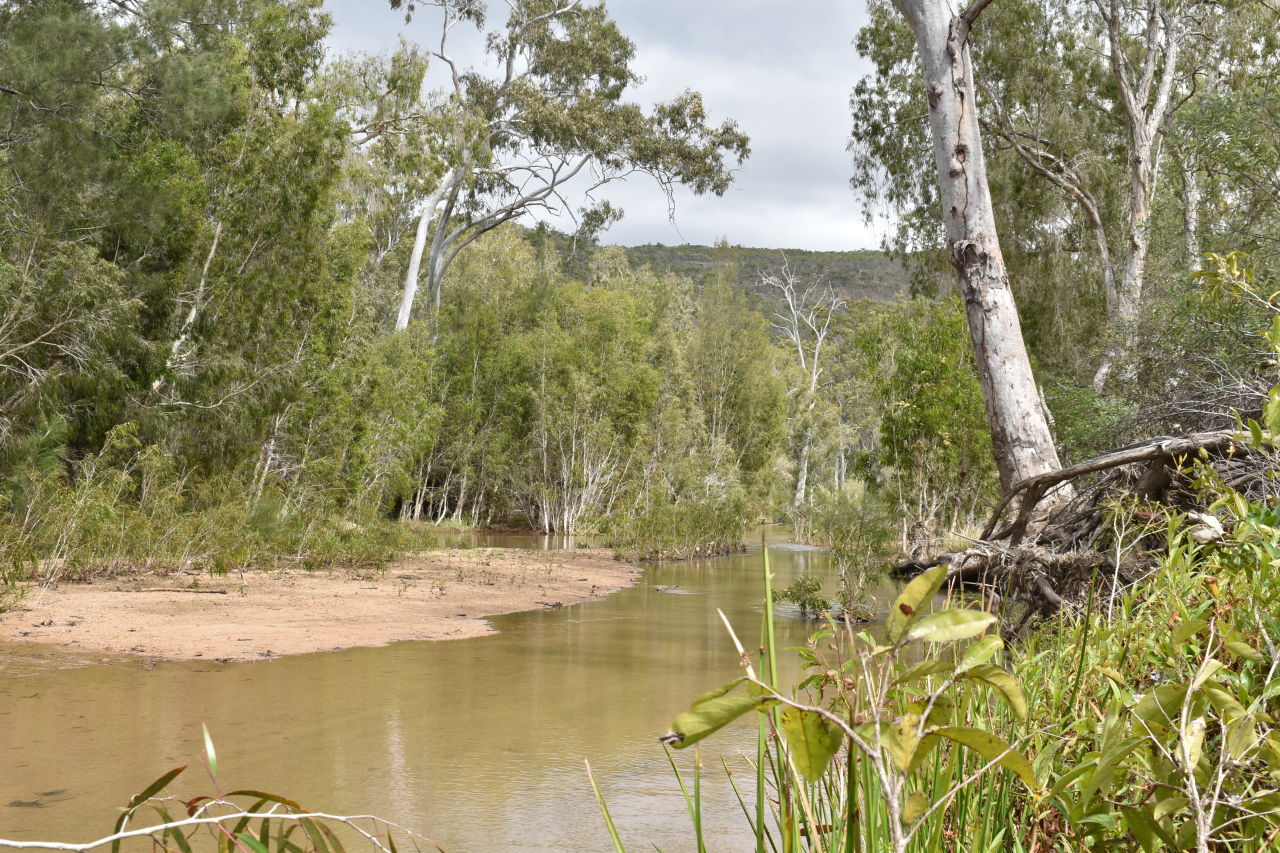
point(255, 615)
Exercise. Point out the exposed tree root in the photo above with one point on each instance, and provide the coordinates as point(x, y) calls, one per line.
point(1053, 561)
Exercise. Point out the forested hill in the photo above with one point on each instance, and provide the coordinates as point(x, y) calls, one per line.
point(866, 274)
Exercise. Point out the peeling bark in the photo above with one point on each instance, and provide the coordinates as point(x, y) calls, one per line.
point(1020, 435)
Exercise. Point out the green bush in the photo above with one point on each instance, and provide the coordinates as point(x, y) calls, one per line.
point(680, 531)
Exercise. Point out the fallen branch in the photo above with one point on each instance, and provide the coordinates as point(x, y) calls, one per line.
point(1164, 447)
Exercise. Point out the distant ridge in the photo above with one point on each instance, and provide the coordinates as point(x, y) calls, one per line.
point(863, 274)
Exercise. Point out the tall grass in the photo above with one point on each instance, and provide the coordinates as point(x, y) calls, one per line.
point(130, 510)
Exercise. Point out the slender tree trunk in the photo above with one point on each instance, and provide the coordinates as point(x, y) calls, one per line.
point(1141, 182)
point(1020, 435)
point(802, 469)
point(1191, 209)
point(429, 209)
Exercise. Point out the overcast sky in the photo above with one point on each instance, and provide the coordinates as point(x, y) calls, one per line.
point(782, 70)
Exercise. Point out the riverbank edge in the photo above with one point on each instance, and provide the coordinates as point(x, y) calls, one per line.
point(259, 615)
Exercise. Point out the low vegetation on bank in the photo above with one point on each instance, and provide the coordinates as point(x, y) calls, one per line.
point(1144, 720)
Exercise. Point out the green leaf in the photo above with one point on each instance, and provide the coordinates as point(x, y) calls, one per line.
point(916, 805)
point(1243, 650)
point(252, 843)
point(1186, 629)
point(709, 713)
point(915, 595)
point(147, 793)
point(924, 749)
point(1209, 670)
point(1002, 681)
point(1170, 806)
point(1242, 737)
point(1111, 673)
point(1255, 432)
point(903, 739)
point(923, 670)
point(1161, 705)
point(813, 739)
point(1145, 828)
point(1104, 769)
point(994, 749)
point(1227, 706)
point(1271, 413)
point(950, 625)
point(980, 651)
point(264, 796)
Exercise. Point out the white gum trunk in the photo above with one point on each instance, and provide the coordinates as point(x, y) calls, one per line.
point(1145, 103)
point(1133, 276)
point(429, 209)
point(179, 345)
point(1020, 435)
point(1191, 210)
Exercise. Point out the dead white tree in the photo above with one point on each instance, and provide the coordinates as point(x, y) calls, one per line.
point(804, 322)
point(1020, 433)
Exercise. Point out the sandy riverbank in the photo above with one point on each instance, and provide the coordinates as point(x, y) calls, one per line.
point(437, 595)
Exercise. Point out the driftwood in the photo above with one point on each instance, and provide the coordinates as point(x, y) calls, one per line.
point(1054, 561)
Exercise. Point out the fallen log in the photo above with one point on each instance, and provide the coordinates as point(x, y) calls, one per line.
point(1054, 561)
point(1156, 449)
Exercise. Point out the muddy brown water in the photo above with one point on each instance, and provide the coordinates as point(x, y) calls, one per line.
point(478, 743)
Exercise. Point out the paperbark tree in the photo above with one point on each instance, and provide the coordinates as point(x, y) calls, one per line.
point(1020, 433)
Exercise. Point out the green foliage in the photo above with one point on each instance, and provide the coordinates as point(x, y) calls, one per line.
point(1178, 751)
point(857, 527)
point(869, 733)
point(692, 529)
point(1145, 723)
point(130, 508)
point(932, 427)
point(805, 592)
point(853, 275)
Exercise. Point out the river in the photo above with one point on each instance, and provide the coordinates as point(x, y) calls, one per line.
point(478, 744)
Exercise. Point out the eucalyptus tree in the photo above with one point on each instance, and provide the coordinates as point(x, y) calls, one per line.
point(391, 161)
point(548, 111)
point(1020, 432)
point(1085, 97)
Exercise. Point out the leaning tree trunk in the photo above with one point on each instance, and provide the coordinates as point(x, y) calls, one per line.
point(428, 215)
point(1020, 434)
